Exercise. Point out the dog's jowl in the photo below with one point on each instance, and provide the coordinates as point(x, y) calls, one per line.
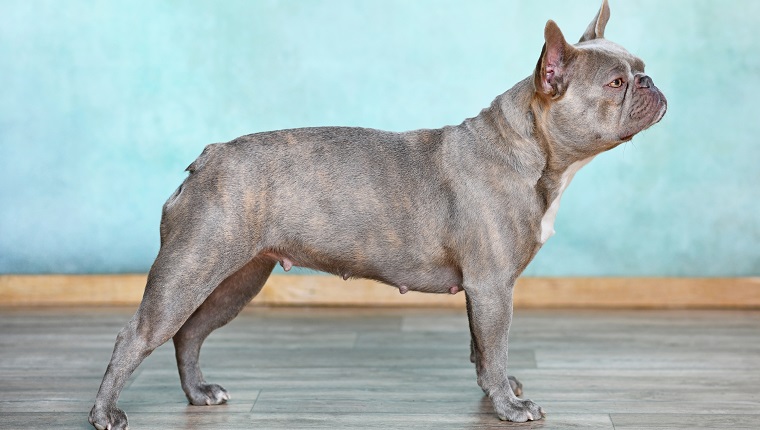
point(461, 208)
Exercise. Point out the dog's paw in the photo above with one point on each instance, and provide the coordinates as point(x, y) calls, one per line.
point(517, 410)
point(517, 386)
point(111, 418)
point(208, 394)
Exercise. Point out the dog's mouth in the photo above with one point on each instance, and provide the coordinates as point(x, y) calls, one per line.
point(663, 109)
point(659, 114)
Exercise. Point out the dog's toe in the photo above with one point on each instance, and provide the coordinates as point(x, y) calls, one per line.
point(208, 395)
point(517, 386)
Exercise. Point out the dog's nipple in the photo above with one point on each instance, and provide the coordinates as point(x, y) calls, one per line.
point(403, 289)
point(345, 276)
point(286, 264)
point(455, 289)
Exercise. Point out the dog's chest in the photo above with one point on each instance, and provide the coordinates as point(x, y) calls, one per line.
point(547, 222)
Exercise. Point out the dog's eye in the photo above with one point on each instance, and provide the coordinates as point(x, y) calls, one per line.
point(617, 83)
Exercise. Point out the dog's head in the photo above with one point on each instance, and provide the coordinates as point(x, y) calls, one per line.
point(593, 95)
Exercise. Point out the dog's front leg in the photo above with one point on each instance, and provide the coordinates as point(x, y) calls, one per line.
point(490, 312)
point(517, 386)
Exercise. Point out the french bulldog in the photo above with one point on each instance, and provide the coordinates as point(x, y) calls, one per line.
point(460, 208)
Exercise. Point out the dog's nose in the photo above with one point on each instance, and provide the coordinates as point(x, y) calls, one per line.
point(643, 81)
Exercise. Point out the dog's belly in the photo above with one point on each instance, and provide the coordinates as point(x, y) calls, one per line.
point(405, 274)
point(433, 279)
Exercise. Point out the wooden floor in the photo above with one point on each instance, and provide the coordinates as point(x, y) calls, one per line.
point(292, 368)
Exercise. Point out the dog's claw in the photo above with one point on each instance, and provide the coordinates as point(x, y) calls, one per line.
point(516, 386)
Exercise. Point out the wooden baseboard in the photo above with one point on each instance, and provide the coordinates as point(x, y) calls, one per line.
point(321, 290)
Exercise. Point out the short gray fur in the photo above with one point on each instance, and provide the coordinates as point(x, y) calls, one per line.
point(440, 211)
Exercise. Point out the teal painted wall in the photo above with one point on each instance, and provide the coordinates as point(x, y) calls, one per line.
point(104, 103)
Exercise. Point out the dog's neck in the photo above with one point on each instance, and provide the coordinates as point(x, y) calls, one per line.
point(509, 128)
point(510, 124)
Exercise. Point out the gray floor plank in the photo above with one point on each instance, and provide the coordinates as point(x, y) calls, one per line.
point(685, 421)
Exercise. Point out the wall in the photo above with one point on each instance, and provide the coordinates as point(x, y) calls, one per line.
point(104, 103)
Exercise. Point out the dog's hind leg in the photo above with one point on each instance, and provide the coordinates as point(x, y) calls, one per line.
point(184, 274)
point(221, 307)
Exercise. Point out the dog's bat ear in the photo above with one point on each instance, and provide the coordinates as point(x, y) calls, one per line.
point(595, 30)
point(550, 76)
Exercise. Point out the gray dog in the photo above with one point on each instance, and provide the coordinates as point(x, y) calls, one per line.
point(461, 208)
